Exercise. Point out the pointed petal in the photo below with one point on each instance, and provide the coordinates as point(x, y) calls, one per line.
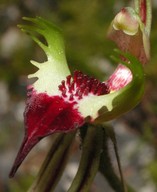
point(55, 69)
point(110, 106)
point(45, 115)
point(27, 145)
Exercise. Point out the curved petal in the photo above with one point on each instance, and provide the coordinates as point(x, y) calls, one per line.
point(55, 69)
point(110, 106)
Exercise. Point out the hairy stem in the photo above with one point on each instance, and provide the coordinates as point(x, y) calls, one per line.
point(114, 141)
point(107, 169)
point(54, 164)
point(89, 162)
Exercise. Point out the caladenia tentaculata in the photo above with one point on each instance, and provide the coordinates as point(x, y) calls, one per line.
point(61, 102)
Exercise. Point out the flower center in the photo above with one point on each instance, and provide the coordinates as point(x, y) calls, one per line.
point(82, 85)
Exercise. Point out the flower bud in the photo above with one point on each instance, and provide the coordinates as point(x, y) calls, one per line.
point(127, 21)
point(130, 35)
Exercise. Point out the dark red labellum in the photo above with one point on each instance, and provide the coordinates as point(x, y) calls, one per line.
point(45, 115)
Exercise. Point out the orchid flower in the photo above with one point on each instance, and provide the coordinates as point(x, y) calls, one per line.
point(61, 102)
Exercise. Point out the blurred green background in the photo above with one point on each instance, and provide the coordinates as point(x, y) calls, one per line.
point(84, 24)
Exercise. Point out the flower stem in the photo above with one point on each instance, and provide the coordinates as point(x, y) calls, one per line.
point(54, 164)
point(90, 159)
point(106, 167)
point(114, 141)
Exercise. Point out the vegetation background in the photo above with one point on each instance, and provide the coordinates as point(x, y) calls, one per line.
point(84, 24)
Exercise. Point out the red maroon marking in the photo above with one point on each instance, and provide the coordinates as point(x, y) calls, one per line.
point(45, 115)
point(82, 85)
point(143, 13)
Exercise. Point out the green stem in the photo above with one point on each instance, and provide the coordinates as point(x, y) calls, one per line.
point(54, 164)
point(107, 169)
point(144, 9)
point(90, 160)
point(114, 141)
